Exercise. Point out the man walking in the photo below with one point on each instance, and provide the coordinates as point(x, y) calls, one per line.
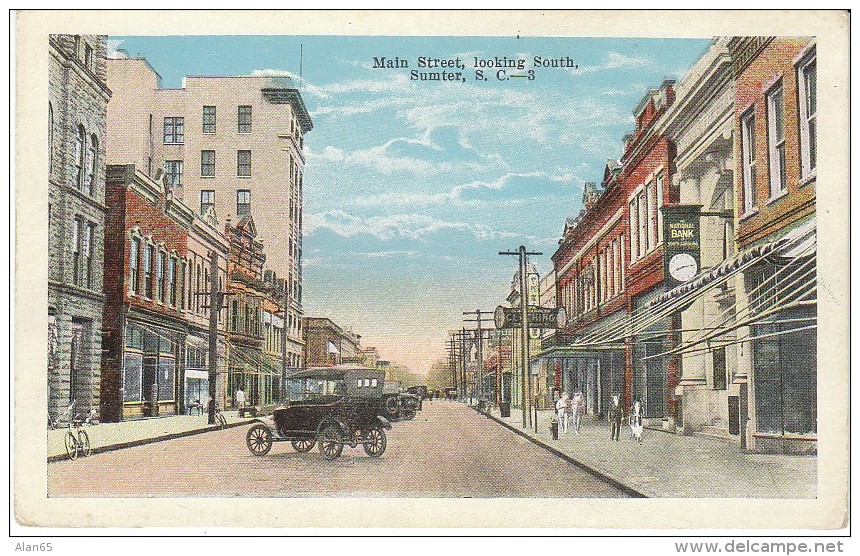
point(615, 417)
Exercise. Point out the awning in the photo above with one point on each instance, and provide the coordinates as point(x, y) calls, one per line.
point(199, 375)
point(799, 242)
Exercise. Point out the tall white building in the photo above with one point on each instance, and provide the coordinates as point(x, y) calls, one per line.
point(229, 144)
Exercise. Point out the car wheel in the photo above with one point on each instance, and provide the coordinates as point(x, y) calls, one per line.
point(375, 442)
point(330, 442)
point(392, 406)
point(303, 446)
point(259, 439)
point(409, 414)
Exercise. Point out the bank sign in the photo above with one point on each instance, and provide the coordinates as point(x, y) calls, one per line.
point(680, 243)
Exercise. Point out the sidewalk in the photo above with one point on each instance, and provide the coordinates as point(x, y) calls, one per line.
point(114, 436)
point(666, 465)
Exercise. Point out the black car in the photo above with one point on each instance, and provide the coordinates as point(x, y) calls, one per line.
point(329, 406)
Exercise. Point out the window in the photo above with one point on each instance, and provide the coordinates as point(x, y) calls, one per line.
point(234, 325)
point(243, 163)
point(181, 286)
point(659, 182)
point(748, 155)
point(207, 200)
point(719, 360)
point(88, 56)
point(806, 86)
point(174, 130)
point(776, 140)
point(133, 262)
point(148, 256)
point(77, 239)
point(88, 248)
point(159, 275)
point(643, 224)
point(634, 225)
point(244, 119)
point(208, 119)
point(171, 281)
point(173, 169)
point(92, 158)
point(79, 155)
point(243, 202)
point(207, 164)
point(651, 193)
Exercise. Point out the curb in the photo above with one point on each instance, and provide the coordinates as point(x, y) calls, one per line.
point(555, 451)
point(143, 441)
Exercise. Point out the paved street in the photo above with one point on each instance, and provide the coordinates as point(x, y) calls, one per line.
point(448, 450)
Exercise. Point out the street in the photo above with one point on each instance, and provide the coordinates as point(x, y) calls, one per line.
point(447, 451)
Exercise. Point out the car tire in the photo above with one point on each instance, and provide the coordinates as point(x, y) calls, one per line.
point(330, 442)
point(392, 406)
point(375, 442)
point(259, 439)
point(303, 446)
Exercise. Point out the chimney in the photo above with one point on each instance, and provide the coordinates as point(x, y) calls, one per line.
point(589, 194)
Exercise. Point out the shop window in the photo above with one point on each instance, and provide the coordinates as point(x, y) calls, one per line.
point(132, 375)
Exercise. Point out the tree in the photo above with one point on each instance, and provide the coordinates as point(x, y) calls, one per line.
point(439, 376)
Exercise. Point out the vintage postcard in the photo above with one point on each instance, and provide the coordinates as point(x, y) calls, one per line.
point(470, 269)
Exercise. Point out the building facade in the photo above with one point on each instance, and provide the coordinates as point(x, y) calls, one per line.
point(231, 143)
point(327, 344)
point(77, 102)
point(775, 175)
point(609, 267)
point(157, 265)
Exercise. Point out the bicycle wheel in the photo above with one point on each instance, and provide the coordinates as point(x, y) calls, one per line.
point(71, 445)
point(84, 443)
point(220, 420)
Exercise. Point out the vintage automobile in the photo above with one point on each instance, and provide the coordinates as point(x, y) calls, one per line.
point(328, 406)
point(399, 406)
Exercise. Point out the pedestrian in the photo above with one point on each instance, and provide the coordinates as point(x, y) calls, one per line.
point(578, 411)
point(636, 420)
point(615, 416)
point(561, 412)
point(240, 399)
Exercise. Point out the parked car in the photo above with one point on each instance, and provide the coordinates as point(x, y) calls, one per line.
point(397, 406)
point(328, 406)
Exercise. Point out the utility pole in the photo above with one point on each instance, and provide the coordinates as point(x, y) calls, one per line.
point(525, 384)
point(463, 385)
point(216, 299)
point(480, 331)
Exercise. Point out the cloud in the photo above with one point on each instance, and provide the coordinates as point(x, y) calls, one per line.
point(396, 226)
point(271, 73)
point(113, 49)
point(614, 61)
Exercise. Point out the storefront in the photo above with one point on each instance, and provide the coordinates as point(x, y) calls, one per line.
point(196, 386)
point(650, 368)
point(149, 370)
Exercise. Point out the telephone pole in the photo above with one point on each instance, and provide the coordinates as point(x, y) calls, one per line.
point(525, 382)
point(480, 332)
point(216, 299)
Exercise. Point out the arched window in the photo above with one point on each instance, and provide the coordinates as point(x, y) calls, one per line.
point(50, 139)
point(79, 154)
point(92, 160)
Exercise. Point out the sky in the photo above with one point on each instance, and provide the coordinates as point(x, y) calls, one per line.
point(411, 188)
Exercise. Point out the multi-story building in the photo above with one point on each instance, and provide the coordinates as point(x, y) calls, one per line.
point(775, 159)
point(232, 143)
point(157, 265)
point(327, 344)
point(77, 104)
point(609, 267)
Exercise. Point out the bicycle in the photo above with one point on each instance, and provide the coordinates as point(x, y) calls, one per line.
point(62, 419)
point(220, 420)
point(77, 439)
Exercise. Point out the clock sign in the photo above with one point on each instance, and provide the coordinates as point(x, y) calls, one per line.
point(682, 267)
point(681, 243)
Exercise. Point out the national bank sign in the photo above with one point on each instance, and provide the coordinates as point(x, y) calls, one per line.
point(681, 243)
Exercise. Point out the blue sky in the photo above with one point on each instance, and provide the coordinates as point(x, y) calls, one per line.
point(412, 188)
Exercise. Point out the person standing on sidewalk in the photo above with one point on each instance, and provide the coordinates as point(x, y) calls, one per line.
point(615, 417)
point(561, 412)
point(578, 410)
point(240, 399)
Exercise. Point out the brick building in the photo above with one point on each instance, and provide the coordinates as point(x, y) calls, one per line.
point(157, 254)
point(77, 104)
point(327, 344)
point(232, 143)
point(609, 267)
point(775, 173)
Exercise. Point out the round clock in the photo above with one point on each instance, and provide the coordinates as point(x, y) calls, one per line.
point(683, 267)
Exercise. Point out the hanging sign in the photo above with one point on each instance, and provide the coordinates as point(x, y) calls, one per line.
point(539, 317)
point(681, 244)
